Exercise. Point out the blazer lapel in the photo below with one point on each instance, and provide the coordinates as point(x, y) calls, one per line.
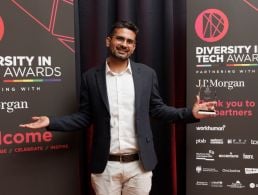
point(101, 81)
point(137, 84)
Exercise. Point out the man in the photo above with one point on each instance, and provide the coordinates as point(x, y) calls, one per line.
point(118, 98)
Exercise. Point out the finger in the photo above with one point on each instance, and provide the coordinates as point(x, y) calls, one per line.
point(25, 126)
point(197, 99)
point(211, 103)
point(22, 125)
point(29, 125)
point(35, 118)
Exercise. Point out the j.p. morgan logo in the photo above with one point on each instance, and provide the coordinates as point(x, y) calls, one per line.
point(220, 84)
point(10, 107)
point(1, 28)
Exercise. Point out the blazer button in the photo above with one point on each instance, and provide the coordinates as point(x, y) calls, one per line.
point(148, 140)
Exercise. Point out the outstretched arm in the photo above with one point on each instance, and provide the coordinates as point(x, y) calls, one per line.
point(74, 121)
point(168, 113)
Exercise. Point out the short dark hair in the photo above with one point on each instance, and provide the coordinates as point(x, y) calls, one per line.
point(123, 24)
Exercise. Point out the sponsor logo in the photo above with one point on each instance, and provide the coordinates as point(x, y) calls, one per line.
point(201, 183)
point(208, 156)
point(200, 169)
point(231, 170)
point(230, 85)
point(250, 171)
point(200, 141)
point(216, 184)
point(248, 156)
point(254, 142)
point(10, 107)
point(230, 155)
point(236, 141)
point(253, 185)
point(210, 128)
point(1, 28)
point(236, 184)
point(211, 25)
point(216, 141)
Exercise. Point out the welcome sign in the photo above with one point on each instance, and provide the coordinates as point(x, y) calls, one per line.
point(37, 77)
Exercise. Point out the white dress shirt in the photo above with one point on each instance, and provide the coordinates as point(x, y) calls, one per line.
point(121, 98)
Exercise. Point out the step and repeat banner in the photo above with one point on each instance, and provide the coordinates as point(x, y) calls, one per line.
point(222, 61)
point(37, 77)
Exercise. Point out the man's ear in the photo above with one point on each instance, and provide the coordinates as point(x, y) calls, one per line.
point(108, 39)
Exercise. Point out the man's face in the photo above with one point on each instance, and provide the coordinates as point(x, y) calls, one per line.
point(122, 43)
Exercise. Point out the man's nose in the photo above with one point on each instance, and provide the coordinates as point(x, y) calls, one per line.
point(124, 43)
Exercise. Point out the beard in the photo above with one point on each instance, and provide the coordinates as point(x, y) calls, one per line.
point(120, 53)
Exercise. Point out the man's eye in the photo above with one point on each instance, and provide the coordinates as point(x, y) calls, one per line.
point(130, 41)
point(120, 38)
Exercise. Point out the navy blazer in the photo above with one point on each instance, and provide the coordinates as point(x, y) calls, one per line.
point(94, 109)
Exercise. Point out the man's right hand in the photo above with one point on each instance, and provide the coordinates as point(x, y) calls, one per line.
point(38, 122)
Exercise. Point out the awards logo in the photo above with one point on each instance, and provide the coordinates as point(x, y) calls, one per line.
point(1, 28)
point(211, 25)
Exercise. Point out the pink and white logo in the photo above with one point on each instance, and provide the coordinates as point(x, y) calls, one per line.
point(211, 25)
point(1, 28)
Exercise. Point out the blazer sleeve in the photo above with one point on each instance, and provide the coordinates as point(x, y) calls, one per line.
point(78, 120)
point(158, 109)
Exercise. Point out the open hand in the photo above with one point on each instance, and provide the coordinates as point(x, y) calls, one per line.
point(38, 122)
point(209, 106)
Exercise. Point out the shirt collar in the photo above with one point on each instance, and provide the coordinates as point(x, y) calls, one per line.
point(128, 69)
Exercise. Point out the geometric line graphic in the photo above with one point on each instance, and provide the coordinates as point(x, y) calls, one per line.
point(213, 25)
point(52, 19)
point(252, 3)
